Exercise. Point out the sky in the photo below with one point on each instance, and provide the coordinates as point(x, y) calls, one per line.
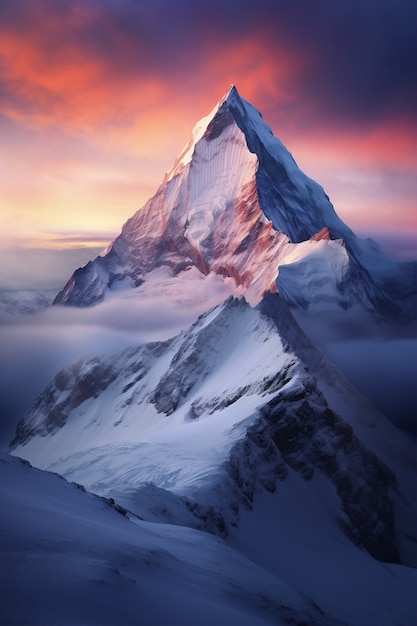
point(97, 98)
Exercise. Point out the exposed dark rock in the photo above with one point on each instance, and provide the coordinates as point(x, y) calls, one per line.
point(312, 439)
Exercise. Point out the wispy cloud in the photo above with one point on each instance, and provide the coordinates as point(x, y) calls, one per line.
point(42, 268)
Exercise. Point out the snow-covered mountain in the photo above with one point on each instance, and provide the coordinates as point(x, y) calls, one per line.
point(236, 204)
point(235, 427)
point(236, 437)
point(222, 409)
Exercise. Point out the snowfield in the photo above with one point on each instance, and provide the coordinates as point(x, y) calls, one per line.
point(68, 557)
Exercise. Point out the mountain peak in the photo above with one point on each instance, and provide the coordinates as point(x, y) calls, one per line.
point(209, 126)
point(232, 92)
point(235, 205)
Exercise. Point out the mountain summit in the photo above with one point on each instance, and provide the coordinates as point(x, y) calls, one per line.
point(235, 204)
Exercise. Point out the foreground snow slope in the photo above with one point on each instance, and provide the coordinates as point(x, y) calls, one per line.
point(67, 557)
point(291, 533)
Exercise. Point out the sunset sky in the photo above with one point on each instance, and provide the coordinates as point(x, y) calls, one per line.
point(97, 98)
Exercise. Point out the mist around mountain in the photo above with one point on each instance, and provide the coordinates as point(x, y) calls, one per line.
point(238, 476)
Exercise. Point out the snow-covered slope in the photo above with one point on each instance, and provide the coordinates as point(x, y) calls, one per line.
point(236, 204)
point(189, 429)
point(67, 557)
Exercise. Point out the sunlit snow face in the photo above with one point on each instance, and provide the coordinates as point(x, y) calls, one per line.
point(34, 347)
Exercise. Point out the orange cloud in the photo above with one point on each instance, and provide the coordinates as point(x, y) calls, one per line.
point(261, 71)
point(382, 145)
point(53, 75)
point(71, 89)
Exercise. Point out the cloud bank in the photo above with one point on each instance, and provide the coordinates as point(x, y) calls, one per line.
point(35, 347)
point(378, 359)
